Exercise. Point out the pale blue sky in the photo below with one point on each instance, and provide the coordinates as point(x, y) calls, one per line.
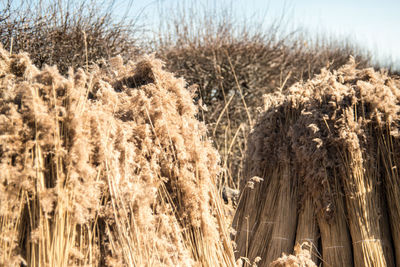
point(374, 24)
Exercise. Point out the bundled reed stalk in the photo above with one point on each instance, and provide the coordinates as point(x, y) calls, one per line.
point(106, 168)
point(349, 110)
point(283, 229)
point(350, 104)
point(307, 233)
point(250, 231)
point(261, 220)
point(249, 221)
point(371, 242)
point(335, 237)
point(389, 153)
point(320, 188)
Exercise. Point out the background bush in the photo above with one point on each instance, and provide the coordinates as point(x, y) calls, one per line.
point(67, 33)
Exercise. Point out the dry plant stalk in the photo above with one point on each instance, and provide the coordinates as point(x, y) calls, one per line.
point(307, 233)
point(389, 153)
point(261, 220)
point(335, 236)
point(371, 241)
point(349, 104)
point(253, 234)
point(273, 233)
point(283, 229)
point(106, 168)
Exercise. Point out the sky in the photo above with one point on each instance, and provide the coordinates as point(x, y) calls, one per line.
point(373, 24)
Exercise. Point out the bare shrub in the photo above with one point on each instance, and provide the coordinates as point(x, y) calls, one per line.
point(68, 33)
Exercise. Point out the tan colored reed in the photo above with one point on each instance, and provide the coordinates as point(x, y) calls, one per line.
point(106, 168)
point(273, 233)
point(368, 228)
point(256, 220)
point(301, 257)
point(284, 227)
point(344, 161)
point(389, 153)
point(261, 221)
point(307, 233)
point(335, 236)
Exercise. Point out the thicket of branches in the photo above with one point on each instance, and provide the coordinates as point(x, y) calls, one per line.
point(68, 33)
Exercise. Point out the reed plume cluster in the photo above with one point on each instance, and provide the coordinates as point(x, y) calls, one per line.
point(328, 153)
point(302, 258)
point(107, 167)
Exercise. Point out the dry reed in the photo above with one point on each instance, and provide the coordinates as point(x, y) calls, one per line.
point(349, 111)
point(342, 156)
point(335, 237)
point(106, 168)
point(371, 244)
point(388, 147)
point(307, 233)
point(302, 258)
point(261, 220)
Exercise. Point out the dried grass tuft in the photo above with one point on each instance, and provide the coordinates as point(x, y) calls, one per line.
point(302, 258)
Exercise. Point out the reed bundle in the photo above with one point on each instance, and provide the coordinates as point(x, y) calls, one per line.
point(269, 233)
point(343, 157)
point(106, 167)
point(361, 178)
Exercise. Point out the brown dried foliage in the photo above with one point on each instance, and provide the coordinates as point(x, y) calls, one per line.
point(107, 167)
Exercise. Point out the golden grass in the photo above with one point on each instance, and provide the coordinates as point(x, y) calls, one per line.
point(283, 229)
point(261, 221)
point(106, 168)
